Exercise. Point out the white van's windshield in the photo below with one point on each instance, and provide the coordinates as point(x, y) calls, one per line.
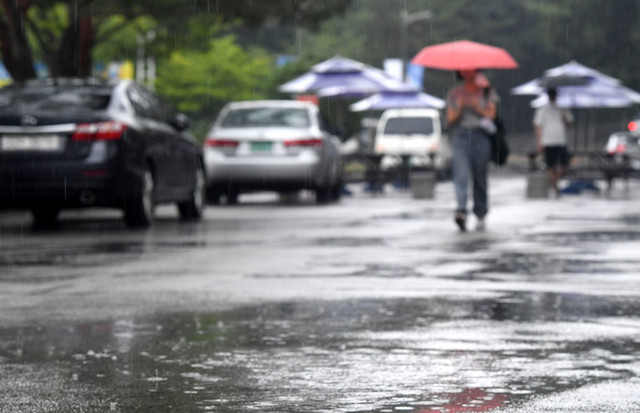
point(409, 126)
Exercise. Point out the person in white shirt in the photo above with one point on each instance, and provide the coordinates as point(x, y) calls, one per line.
point(550, 124)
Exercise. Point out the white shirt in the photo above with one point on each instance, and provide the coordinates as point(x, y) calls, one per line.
point(552, 121)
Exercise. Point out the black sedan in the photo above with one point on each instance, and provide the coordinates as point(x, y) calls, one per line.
point(68, 143)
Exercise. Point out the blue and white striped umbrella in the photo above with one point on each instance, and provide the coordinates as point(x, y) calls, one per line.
point(598, 90)
point(340, 76)
point(569, 70)
point(591, 96)
point(397, 100)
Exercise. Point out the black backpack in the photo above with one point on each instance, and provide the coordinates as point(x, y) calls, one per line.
point(499, 145)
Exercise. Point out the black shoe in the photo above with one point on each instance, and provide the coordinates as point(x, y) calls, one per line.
point(461, 220)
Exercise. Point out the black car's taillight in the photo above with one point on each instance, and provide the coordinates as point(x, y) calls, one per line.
point(101, 131)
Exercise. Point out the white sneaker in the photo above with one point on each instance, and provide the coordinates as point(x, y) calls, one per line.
point(480, 225)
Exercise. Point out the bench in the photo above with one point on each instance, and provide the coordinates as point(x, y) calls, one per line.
point(591, 166)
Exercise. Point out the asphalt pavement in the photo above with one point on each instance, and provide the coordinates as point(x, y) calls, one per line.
point(375, 304)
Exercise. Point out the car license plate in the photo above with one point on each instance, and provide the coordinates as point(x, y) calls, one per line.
point(44, 143)
point(261, 146)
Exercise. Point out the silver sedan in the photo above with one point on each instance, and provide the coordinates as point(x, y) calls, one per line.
point(272, 145)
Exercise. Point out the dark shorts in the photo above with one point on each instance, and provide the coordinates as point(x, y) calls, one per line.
point(556, 156)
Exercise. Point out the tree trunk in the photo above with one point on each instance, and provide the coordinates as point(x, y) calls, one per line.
point(74, 54)
point(15, 50)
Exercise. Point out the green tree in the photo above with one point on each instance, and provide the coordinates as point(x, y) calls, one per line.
point(65, 32)
point(199, 81)
point(14, 45)
point(202, 81)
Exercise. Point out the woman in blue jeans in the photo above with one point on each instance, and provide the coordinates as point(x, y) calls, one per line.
point(467, 105)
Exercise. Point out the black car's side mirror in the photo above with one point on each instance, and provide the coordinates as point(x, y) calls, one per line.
point(181, 122)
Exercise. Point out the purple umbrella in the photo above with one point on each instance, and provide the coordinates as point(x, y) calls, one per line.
point(358, 91)
point(349, 77)
point(596, 94)
point(398, 100)
point(571, 74)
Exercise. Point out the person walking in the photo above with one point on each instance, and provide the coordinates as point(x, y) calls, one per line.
point(550, 125)
point(467, 106)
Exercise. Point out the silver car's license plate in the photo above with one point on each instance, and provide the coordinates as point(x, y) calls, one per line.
point(261, 146)
point(16, 143)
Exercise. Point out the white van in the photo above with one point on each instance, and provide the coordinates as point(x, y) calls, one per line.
point(416, 134)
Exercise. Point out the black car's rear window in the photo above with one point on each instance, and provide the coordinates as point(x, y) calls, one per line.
point(250, 117)
point(409, 126)
point(46, 98)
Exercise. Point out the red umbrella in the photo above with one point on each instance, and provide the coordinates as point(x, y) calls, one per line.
point(464, 55)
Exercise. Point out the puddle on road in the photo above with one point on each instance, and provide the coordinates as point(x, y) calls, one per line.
point(546, 260)
point(346, 242)
point(89, 254)
point(567, 238)
point(422, 355)
point(532, 264)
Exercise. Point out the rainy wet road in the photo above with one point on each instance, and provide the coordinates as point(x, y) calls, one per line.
point(376, 305)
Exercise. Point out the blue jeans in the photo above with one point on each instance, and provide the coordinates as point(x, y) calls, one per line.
point(471, 156)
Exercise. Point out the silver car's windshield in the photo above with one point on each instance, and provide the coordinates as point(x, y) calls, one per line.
point(409, 126)
point(250, 117)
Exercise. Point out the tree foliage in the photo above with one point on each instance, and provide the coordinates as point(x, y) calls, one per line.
point(69, 35)
point(64, 33)
point(203, 81)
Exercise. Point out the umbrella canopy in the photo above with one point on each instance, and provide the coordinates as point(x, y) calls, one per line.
point(553, 82)
point(574, 68)
point(397, 100)
point(351, 78)
point(357, 90)
point(569, 74)
point(579, 86)
point(593, 95)
point(464, 55)
point(338, 64)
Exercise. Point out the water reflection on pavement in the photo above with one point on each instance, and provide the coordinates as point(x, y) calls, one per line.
point(423, 355)
point(377, 305)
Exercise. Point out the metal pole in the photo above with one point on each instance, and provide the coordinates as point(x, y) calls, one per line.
point(403, 43)
point(405, 20)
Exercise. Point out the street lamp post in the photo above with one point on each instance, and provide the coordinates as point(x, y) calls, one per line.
point(405, 20)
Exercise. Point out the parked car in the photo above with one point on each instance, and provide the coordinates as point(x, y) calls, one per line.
point(67, 143)
point(415, 134)
point(272, 145)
